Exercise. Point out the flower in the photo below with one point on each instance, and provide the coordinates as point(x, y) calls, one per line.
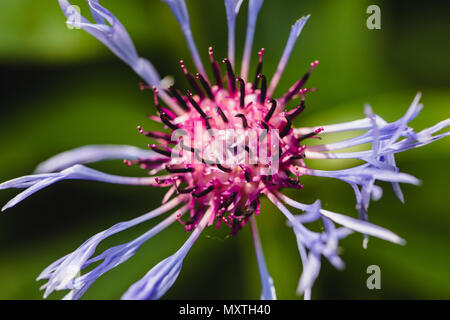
point(230, 143)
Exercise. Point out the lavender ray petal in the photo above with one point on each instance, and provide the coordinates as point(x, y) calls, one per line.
point(268, 288)
point(348, 222)
point(90, 154)
point(108, 30)
point(37, 182)
point(253, 9)
point(114, 256)
point(180, 12)
point(61, 273)
point(232, 9)
point(294, 34)
point(309, 275)
point(361, 173)
point(162, 276)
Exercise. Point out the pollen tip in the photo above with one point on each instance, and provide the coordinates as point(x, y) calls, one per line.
point(211, 54)
point(314, 64)
point(183, 67)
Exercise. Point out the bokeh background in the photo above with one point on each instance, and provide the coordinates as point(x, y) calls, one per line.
point(62, 89)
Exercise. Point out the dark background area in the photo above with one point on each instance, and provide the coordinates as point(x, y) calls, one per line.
point(61, 89)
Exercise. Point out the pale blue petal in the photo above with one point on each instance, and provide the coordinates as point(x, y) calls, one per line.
point(108, 29)
point(114, 256)
point(362, 173)
point(180, 12)
point(295, 32)
point(232, 9)
point(253, 9)
point(37, 182)
point(90, 154)
point(60, 274)
point(162, 276)
point(348, 222)
point(310, 272)
point(268, 288)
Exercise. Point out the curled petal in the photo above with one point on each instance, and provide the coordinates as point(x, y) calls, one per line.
point(348, 222)
point(317, 243)
point(61, 274)
point(162, 276)
point(385, 144)
point(36, 182)
point(114, 256)
point(108, 30)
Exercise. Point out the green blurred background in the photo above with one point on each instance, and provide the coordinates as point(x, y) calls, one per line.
point(62, 89)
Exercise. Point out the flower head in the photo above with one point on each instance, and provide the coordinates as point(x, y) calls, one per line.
point(225, 143)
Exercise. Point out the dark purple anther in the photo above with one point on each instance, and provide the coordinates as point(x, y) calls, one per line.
point(164, 152)
point(244, 120)
point(195, 104)
point(298, 110)
point(166, 120)
point(222, 115)
point(192, 81)
point(262, 95)
point(231, 77)
point(186, 190)
point(287, 127)
point(299, 84)
point(205, 85)
point(242, 92)
point(258, 69)
point(224, 169)
point(155, 134)
point(179, 170)
point(204, 192)
point(215, 69)
point(176, 94)
point(310, 135)
point(271, 111)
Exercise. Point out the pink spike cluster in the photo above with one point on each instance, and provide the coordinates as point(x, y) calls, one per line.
point(231, 191)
